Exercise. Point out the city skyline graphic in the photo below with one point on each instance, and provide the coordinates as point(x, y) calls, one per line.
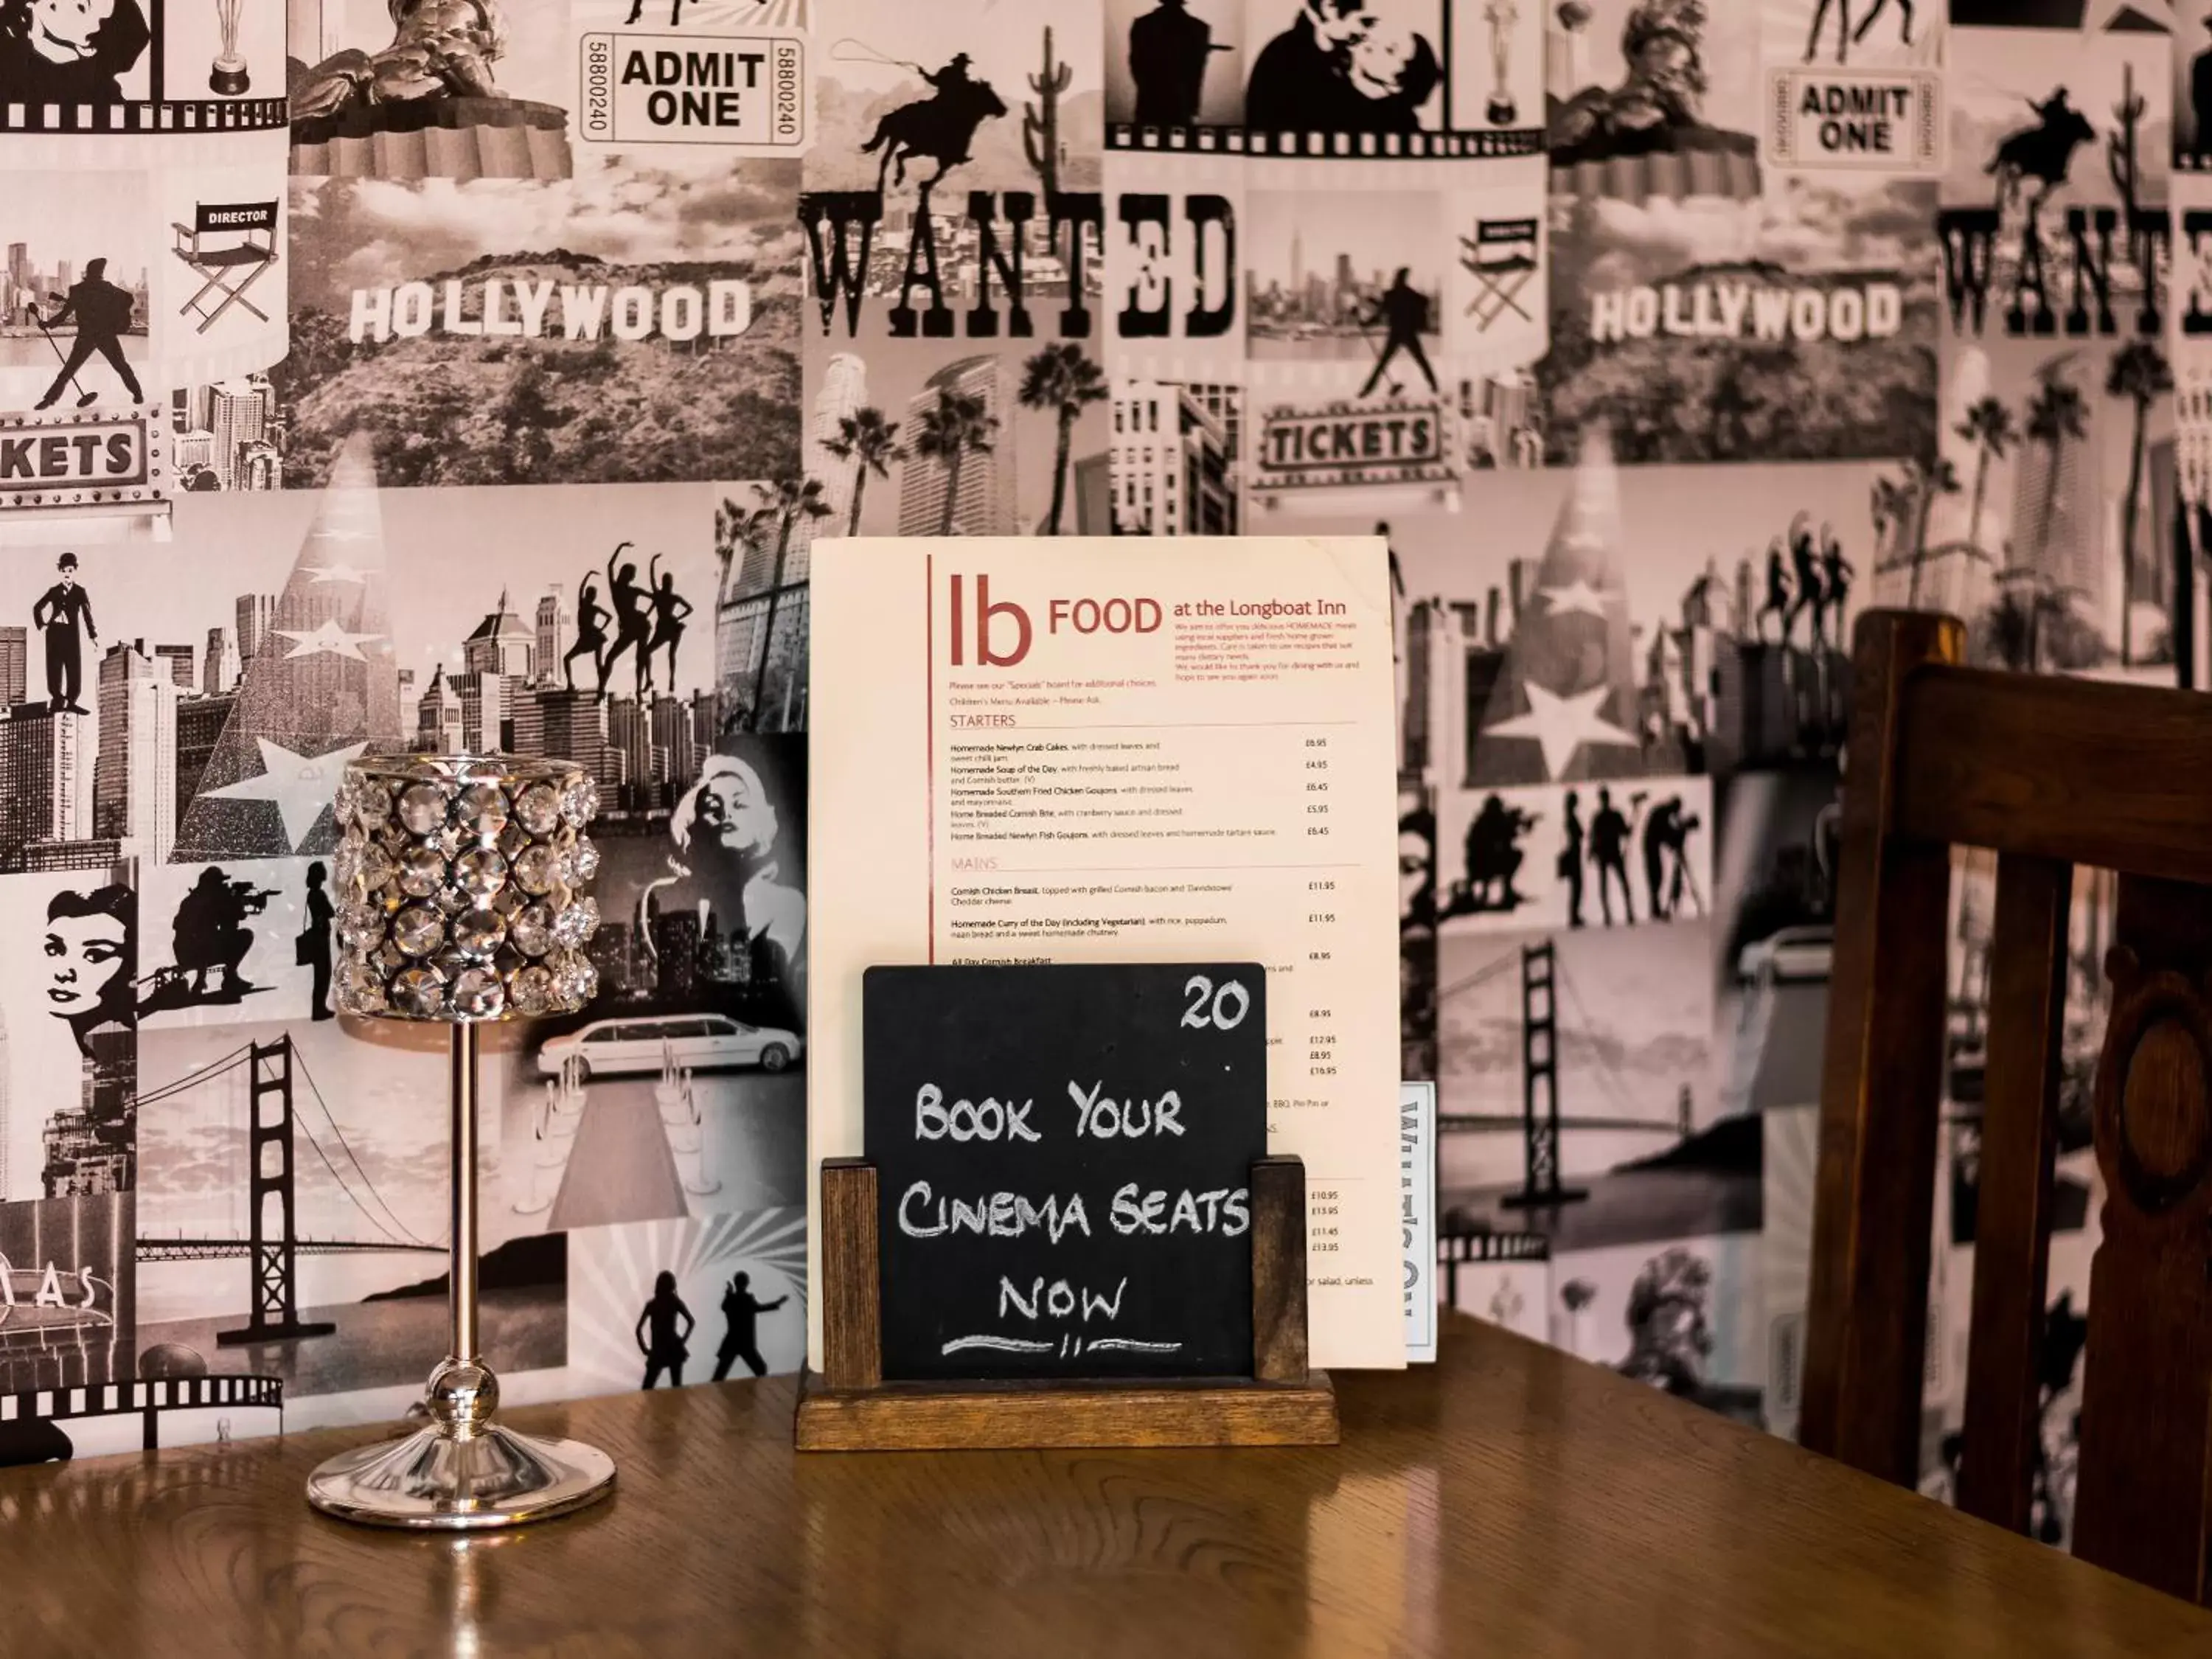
point(320, 685)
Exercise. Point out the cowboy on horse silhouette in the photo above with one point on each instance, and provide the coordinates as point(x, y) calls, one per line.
point(940, 127)
point(2045, 151)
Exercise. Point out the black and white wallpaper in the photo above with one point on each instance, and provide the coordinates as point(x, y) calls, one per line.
point(1658, 338)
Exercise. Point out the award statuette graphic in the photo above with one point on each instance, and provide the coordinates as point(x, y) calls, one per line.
point(1501, 14)
point(229, 75)
point(458, 880)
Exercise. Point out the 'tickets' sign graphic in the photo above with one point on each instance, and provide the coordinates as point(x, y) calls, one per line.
point(1393, 443)
point(105, 462)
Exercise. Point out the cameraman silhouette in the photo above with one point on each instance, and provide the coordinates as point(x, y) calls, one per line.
point(211, 934)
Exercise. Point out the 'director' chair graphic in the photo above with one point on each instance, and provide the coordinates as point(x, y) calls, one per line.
point(1501, 257)
point(230, 244)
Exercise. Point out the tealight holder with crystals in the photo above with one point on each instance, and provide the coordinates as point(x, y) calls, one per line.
point(459, 882)
point(459, 887)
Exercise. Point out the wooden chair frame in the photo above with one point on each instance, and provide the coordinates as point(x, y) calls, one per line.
point(2050, 773)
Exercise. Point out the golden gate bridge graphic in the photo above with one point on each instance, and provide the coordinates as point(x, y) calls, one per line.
point(266, 1233)
point(1539, 1120)
point(267, 1080)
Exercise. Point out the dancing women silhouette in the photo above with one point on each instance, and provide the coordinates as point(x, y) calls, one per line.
point(669, 608)
point(632, 631)
point(667, 1351)
point(590, 633)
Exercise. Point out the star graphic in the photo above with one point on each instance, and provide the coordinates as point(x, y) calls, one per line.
point(301, 786)
point(1577, 596)
point(329, 637)
point(340, 572)
point(1563, 724)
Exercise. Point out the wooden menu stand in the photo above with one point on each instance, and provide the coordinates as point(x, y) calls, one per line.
point(849, 1407)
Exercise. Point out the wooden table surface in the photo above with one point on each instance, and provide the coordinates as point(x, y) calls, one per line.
point(1507, 1501)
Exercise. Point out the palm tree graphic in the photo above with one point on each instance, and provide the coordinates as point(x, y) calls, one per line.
point(1061, 379)
point(1989, 428)
point(871, 443)
point(955, 425)
point(2056, 415)
point(783, 504)
point(2139, 374)
point(1929, 480)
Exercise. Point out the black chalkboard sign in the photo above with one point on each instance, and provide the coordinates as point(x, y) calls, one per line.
point(1063, 1158)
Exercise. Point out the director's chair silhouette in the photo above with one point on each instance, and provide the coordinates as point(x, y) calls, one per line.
point(1501, 257)
point(230, 246)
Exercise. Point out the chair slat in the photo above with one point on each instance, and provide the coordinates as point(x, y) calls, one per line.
point(2143, 1493)
point(1880, 1084)
point(2012, 1229)
point(2104, 775)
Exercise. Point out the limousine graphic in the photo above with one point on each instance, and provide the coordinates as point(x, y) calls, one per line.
point(700, 1043)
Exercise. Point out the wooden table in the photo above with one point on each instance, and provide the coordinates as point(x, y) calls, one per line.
point(1509, 1501)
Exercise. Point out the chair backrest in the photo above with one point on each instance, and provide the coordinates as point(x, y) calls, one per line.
point(215, 218)
point(2051, 774)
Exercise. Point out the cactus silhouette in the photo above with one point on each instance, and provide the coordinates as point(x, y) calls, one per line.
point(1041, 120)
point(2120, 148)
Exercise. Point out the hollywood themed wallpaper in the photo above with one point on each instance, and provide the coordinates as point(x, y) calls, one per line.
point(377, 376)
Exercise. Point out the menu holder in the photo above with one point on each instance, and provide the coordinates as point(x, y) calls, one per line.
point(849, 1407)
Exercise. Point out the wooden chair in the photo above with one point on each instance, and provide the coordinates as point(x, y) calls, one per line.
point(2050, 773)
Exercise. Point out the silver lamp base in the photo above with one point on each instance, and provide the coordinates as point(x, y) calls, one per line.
point(463, 1472)
point(436, 1480)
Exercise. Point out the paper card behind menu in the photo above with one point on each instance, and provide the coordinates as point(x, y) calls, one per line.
point(1246, 808)
point(1416, 1213)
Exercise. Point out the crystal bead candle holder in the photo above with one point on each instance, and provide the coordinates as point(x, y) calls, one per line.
point(458, 887)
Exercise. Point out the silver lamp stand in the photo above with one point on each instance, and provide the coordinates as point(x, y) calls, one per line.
point(452, 914)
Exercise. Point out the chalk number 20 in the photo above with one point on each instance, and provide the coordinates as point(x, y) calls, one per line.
point(1223, 1014)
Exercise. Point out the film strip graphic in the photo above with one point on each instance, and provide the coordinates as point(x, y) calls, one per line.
point(1461, 146)
point(1457, 1249)
point(1177, 141)
point(150, 1398)
point(174, 115)
point(1457, 1246)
